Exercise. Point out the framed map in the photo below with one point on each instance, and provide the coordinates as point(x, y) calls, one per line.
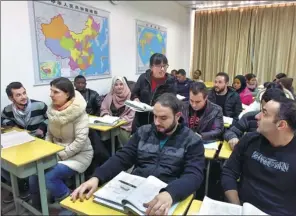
point(151, 39)
point(69, 39)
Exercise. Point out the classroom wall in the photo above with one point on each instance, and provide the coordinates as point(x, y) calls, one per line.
point(16, 51)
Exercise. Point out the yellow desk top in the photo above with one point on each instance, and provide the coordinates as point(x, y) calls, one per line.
point(210, 153)
point(209, 84)
point(227, 125)
point(105, 128)
point(194, 207)
point(88, 207)
point(225, 151)
point(29, 152)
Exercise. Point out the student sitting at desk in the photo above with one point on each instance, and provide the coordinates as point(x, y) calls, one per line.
point(240, 86)
point(225, 97)
point(201, 115)
point(113, 105)
point(166, 149)
point(68, 127)
point(93, 99)
point(248, 122)
point(265, 162)
point(26, 114)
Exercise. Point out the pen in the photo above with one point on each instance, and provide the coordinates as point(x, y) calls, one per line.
point(126, 183)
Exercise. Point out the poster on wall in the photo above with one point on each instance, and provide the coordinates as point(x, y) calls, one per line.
point(151, 39)
point(69, 39)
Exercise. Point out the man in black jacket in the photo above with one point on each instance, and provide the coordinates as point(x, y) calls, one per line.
point(248, 122)
point(166, 149)
point(201, 115)
point(91, 97)
point(150, 85)
point(183, 84)
point(265, 163)
point(226, 97)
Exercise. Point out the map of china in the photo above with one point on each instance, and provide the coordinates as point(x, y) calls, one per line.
point(67, 44)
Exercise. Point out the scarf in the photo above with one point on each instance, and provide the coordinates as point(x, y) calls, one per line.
point(243, 82)
point(65, 106)
point(22, 116)
point(119, 99)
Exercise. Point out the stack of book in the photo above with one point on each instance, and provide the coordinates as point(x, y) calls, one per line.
point(104, 121)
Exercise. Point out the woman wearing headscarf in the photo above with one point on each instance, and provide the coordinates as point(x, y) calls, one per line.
point(240, 85)
point(113, 105)
point(252, 83)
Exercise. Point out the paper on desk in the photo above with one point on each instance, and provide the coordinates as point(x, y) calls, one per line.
point(227, 120)
point(211, 146)
point(14, 138)
point(180, 97)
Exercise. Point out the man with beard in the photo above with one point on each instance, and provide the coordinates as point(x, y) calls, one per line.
point(166, 149)
point(183, 84)
point(91, 97)
point(226, 97)
point(26, 114)
point(265, 163)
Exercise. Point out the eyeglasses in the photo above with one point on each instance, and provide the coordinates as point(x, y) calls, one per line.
point(161, 66)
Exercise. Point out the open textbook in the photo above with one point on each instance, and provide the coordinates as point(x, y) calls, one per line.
point(213, 207)
point(14, 138)
point(138, 106)
point(103, 121)
point(127, 193)
point(180, 97)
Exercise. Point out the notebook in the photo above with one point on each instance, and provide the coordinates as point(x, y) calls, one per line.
point(213, 207)
point(180, 97)
point(227, 120)
point(138, 106)
point(104, 121)
point(14, 138)
point(127, 193)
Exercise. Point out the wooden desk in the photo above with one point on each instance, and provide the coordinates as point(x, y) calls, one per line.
point(108, 132)
point(209, 155)
point(88, 207)
point(194, 207)
point(29, 159)
point(225, 151)
point(226, 125)
point(209, 84)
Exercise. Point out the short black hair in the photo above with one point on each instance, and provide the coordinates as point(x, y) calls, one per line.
point(225, 75)
point(198, 87)
point(272, 94)
point(13, 85)
point(287, 111)
point(170, 100)
point(181, 72)
point(65, 85)
point(250, 76)
point(157, 59)
point(79, 77)
point(280, 75)
point(274, 85)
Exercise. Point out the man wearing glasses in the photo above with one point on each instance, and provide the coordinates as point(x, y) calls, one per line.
point(150, 85)
point(265, 163)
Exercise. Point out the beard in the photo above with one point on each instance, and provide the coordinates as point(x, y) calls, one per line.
point(163, 134)
point(217, 90)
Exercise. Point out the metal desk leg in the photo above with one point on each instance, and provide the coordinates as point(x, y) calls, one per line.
point(42, 187)
point(16, 193)
point(112, 136)
point(207, 177)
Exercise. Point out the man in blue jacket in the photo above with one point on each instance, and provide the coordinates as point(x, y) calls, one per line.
point(166, 149)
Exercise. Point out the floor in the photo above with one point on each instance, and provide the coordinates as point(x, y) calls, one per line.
point(9, 209)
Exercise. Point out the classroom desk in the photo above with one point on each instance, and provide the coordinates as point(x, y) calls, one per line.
point(209, 154)
point(209, 84)
point(225, 151)
point(26, 160)
point(194, 207)
point(88, 207)
point(108, 132)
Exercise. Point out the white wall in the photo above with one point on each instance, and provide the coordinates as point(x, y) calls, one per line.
point(16, 51)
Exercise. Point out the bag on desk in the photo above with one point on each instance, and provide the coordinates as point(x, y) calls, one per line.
point(127, 193)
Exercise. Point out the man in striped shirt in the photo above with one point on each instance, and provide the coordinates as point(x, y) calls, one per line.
point(24, 113)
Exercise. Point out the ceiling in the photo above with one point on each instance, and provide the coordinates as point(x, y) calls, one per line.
point(205, 5)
